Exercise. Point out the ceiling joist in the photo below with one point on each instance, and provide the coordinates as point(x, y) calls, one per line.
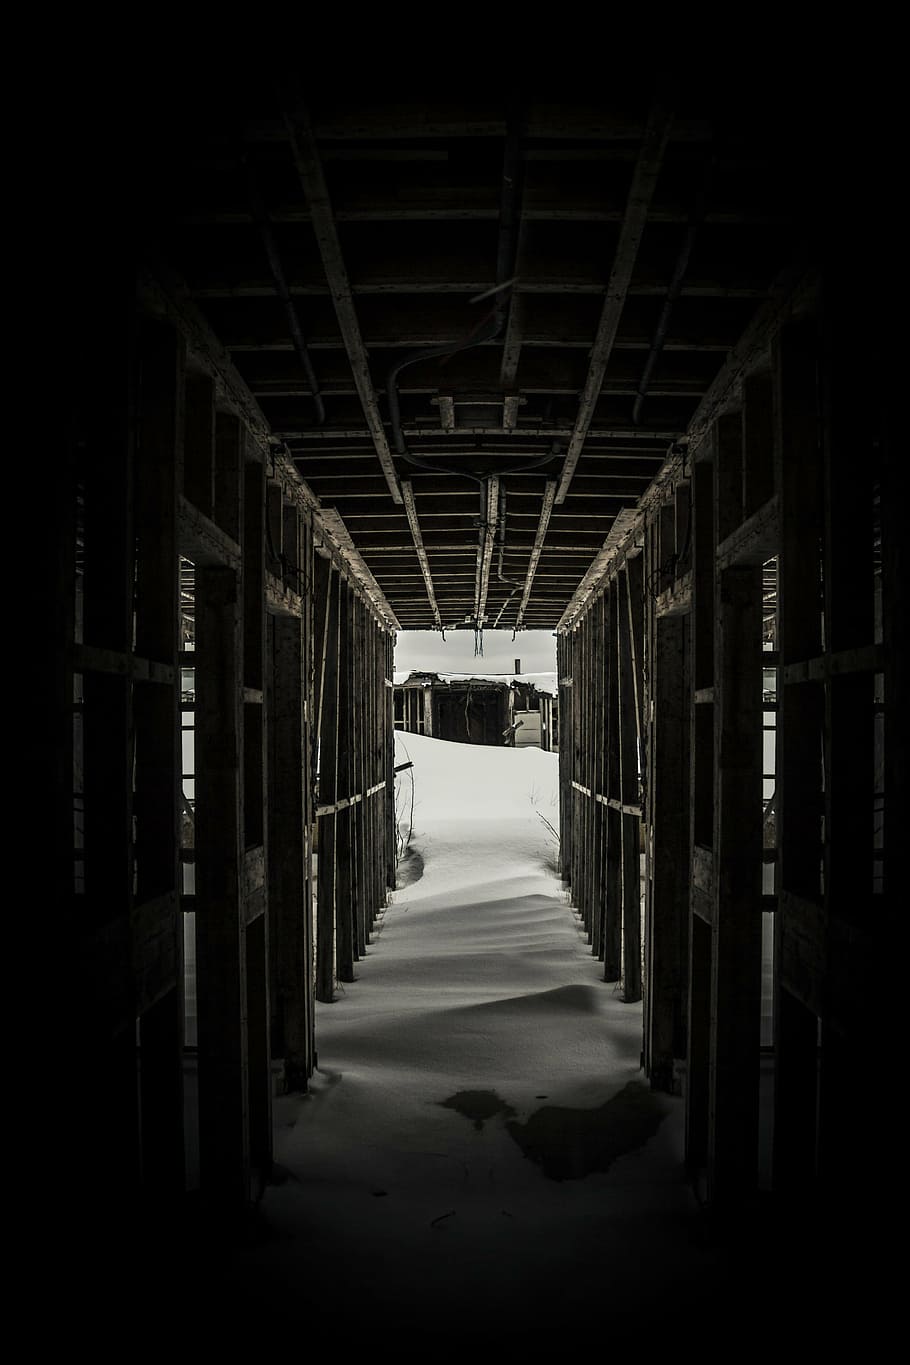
point(641, 191)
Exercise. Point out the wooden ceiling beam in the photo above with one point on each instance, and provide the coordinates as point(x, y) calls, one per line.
point(407, 494)
point(487, 538)
point(406, 283)
point(309, 168)
point(542, 526)
point(641, 191)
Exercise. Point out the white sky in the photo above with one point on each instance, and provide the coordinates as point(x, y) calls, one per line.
point(426, 649)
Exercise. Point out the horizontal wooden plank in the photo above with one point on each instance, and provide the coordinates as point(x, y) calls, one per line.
point(866, 659)
point(755, 541)
point(281, 600)
point(202, 541)
point(346, 802)
point(624, 807)
point(91, 659)
point(677, 599)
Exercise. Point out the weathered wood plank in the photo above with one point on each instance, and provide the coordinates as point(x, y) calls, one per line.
point(220, 927)
point(668, 939)
point(754, 542)
point(288, 846)
point(345, 888)
point(736, 939)
point(629, 793)
point(613, 906)
point(328, 789)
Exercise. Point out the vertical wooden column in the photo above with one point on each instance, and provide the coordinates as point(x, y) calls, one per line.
point(564, 679)
point(290, 915)
point(669, 933)
point(220, 928)
point(389, 749)
point(702, 820)
point(578, 834)
point(862, 995)
point(598, 775)
point(893, 766)
point(798, 923)
point(584, 898)
point(309, 736)
point(255, 815)
point(371, 803)
point(359, 785)
point(736, 938)
point(377, 770)
point(613, 964)
point(328, 786)
point(345, 939)
point(157, 920)
point(104, 999)
point(630, 820)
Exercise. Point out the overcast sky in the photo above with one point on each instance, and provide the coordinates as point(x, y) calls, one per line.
point(426, 649)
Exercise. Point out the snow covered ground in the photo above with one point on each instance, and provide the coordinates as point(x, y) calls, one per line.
point(479, 1165)
point(478, 1155)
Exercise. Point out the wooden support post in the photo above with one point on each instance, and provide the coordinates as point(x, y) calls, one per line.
point(288, 842)
point(598, 776)
point(309, 736)
point(564, 668)
point(585, 812)
point(701, 822)
point(157, 924)
point(799, 781)
point(255, 819)
point(863, 998)
point(698, 1056)
point(259, 1052)
point(736, 928)
point(613, 964)
point(221, 959)
point(665, 1023)
point(358, 783)
point(328, 794)
point(389, 750)
point(629, 795)
point(345, 940)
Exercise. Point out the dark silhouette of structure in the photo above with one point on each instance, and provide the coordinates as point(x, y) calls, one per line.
point(335, 369)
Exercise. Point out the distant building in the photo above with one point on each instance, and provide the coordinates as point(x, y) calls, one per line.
point(477, 710)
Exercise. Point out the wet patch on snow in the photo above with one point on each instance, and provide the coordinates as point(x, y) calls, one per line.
point(478, 1105)
point(569, 1144)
